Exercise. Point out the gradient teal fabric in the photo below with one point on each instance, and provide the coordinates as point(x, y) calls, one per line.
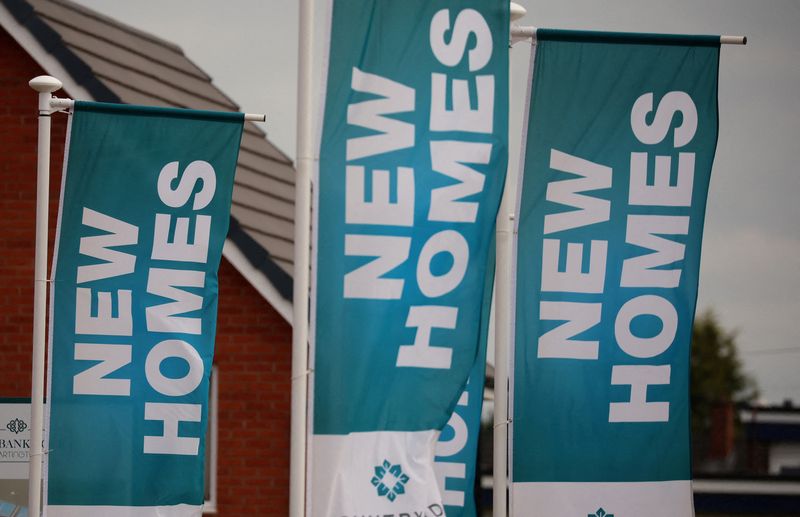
point(584, 88)
point(115, 157)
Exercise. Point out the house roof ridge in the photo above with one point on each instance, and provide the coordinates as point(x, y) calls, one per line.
point(198, 76)
point(91, 13)
point(60, 44)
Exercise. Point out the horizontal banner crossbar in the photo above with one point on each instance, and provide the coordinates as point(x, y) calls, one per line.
point(112, 108)
point(627, 37)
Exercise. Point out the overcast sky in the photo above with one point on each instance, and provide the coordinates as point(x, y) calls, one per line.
point(750, 272)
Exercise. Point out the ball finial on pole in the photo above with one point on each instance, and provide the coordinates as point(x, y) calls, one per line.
point(517, 12)
point(45, 84)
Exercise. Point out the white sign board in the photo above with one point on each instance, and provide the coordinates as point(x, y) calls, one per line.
point(15, 439)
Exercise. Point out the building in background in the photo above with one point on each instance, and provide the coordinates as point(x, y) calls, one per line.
point(747, 464)
point(754, 471)
point(772, 439)
point(101, 59)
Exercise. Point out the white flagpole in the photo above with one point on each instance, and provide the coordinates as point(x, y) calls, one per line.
point(45, 85)
point(502, 345)
point(502, 332)
point(302, 237)
point(63, 104)
point(520, 33)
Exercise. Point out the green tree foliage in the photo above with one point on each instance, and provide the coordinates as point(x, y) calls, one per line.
point(717, 375)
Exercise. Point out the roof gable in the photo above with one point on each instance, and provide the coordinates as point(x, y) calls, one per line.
point(114, 62)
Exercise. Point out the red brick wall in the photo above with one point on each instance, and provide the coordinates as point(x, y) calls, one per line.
point(253, 350)
point(18, 134)
point(253, 359)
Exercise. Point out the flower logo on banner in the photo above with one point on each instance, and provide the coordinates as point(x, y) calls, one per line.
point(600, 513)
point(390, 480)
point(16, 426)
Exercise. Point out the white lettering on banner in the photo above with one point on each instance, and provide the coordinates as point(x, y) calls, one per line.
point(94, 380)
point(444, 471)
point(671, 104)
point(468, 22)
point(645, 348)
point(642, 231)
point(179, 196)
point(367, 281)
point(451, 469)
point(589, 209)
point(179, 248)
point(662, 188)
point(119, 233)
point(180, 286)
point(573, 279)
point(421, 354)
point(462, 117)
point(104, 323)
point(164, 283)
point(169, 386)
point(448, 157)
point(639, 271)
point(392, 134)
point(578, 318)
point(455, 444)
point(380, 210)
point(661, 193)
point(638, 409)
point(170, 442)
point(453, 244)
point(384, 196)
point(101, 320)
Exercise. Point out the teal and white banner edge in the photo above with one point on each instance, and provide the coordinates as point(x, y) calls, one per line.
point(651, 499)
point(51, 319)
point(178, 510)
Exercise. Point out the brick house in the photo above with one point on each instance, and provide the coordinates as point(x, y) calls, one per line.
point(101, 59)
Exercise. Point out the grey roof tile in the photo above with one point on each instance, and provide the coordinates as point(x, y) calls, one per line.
point(116, 35)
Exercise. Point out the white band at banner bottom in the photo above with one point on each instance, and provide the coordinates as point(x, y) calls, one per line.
point(375, 473)
point(651, 499)
point(178, 510)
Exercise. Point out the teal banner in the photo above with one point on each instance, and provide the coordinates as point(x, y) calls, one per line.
point(145, 208)
point(412, 166)
point(457, 467)
point(619, 144)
